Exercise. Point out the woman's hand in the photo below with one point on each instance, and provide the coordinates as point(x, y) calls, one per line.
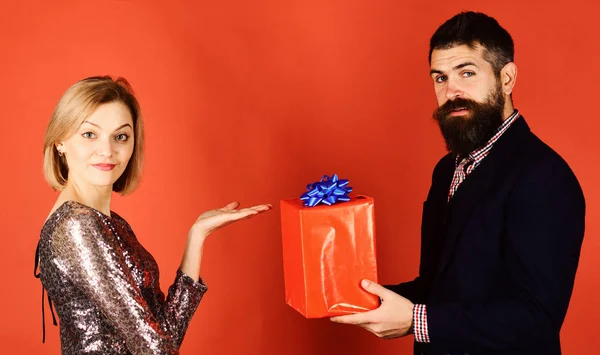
point(207, 223)
point(213, 220)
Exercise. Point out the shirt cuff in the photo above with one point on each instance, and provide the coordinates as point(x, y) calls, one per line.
point(420, 323)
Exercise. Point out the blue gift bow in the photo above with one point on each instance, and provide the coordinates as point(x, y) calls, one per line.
point(327, 191)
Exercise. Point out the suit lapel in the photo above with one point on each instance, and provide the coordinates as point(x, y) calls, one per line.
point(461, 206)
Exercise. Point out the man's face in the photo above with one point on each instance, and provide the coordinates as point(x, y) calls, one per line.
point(469, 95)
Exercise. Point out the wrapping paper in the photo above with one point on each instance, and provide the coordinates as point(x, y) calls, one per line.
point(327, 251)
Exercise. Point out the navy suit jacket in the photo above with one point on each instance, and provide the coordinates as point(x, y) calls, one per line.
point(498, 261)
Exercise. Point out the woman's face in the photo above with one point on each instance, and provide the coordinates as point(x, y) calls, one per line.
point(100, 149)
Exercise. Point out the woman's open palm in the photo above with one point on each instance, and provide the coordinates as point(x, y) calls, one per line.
point(213, 220)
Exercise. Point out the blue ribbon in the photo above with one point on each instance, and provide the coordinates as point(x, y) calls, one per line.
point(327, 191)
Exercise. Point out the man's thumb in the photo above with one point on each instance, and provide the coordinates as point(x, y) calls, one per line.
point(374, 288)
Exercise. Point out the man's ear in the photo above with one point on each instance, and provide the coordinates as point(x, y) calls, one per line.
point(508, 78)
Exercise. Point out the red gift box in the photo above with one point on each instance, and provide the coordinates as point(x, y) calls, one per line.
point(327, 251)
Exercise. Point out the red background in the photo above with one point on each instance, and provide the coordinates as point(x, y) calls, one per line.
point(250, 101)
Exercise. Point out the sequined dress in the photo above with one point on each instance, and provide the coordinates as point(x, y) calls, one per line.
point(105, 286)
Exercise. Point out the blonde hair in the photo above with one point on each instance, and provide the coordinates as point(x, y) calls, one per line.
point(74, 107)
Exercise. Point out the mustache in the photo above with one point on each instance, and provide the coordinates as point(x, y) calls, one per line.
point(458, 103)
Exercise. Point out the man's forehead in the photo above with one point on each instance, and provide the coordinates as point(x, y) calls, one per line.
point(449, 56)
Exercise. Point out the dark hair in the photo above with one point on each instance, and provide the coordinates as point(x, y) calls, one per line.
point(473, 28)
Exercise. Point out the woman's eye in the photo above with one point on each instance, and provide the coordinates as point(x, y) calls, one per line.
point(88, 135)
point(122, 137)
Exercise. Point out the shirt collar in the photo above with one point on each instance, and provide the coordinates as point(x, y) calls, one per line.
point(478, 154)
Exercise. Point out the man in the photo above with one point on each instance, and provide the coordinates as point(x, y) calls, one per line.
point(504, 218)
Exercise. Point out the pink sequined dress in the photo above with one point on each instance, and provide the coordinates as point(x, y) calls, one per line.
point(105, 289)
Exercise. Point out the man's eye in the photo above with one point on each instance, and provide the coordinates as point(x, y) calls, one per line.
point(440, 79)
point(468, 73)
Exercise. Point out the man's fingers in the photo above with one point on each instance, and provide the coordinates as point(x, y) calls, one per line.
point(356, 319)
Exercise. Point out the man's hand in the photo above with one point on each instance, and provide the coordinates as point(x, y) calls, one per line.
point(392, 319)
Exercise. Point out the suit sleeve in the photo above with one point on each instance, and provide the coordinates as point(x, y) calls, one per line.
point(544, 227)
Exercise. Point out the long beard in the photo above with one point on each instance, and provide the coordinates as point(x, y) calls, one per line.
point(467, 133)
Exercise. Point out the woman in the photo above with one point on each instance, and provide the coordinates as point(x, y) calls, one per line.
point(103, 283)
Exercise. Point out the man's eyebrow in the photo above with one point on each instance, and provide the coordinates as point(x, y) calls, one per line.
point(460, 66)
point(465, 64)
